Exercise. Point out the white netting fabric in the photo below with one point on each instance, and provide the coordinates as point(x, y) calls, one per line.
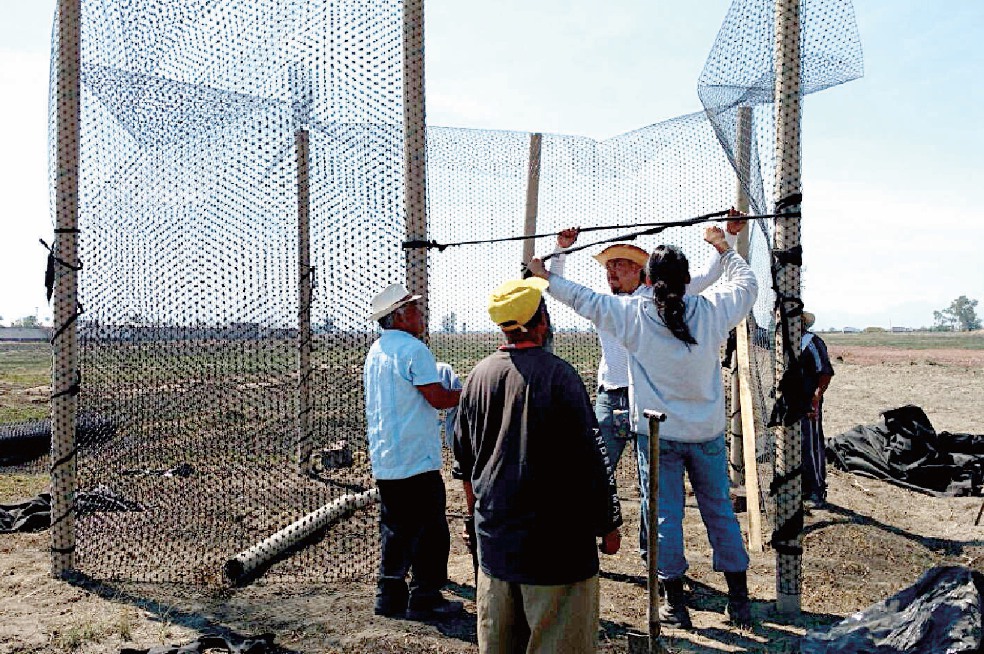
point(189, 235)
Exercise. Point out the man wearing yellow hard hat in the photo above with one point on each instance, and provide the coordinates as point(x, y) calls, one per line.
point(538, 483)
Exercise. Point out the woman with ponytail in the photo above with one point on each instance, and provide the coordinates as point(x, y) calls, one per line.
point(673, 341)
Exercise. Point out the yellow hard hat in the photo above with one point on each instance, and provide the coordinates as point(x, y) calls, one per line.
point(515, 302)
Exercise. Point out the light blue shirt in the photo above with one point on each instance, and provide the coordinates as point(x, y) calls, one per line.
point(403, 428)
point(450, 381)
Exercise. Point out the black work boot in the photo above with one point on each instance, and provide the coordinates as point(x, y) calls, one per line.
point(674, 610)
point(739, 609)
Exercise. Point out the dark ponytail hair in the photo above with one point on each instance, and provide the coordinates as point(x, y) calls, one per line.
point(669, 272)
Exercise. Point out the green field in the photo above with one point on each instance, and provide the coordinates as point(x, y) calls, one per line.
point(27, 365)
point(23, 366)
point(910, 340)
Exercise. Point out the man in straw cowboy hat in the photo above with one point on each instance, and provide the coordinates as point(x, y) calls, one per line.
point(403, 394)
point(817, 373)
point(625, 271)
point(538, 484)
point(673, 340)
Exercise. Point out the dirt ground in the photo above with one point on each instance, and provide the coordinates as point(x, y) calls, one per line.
point(872, 540)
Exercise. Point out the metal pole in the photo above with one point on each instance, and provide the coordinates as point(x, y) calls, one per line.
point(415, 149)
point(650, 643)
point(788, 190)
point(652, 526)
point(65, 357)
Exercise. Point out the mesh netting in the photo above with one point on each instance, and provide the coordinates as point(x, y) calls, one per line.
point(191, 114)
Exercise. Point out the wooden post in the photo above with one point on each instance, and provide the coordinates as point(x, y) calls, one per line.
point(532, 197)
point(301, 99)
point(744, 451)
point(305, 444)
point(65, 356)
point(742, 165)
point(752, 490)
point(415, 149)
point(789, 500)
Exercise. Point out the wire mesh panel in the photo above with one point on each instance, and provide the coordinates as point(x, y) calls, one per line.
point(189, 209)
point(190, 206)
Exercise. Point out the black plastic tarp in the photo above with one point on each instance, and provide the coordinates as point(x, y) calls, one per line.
point(939, 614)
point(905, 450)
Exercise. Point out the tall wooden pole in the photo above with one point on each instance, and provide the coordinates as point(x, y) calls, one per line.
point(743, 146)
point(305, 444)
point(789, 501)
point(301, 94)
point(532, 196)
point(65, 357)
point(415, 149)
point(743, 445)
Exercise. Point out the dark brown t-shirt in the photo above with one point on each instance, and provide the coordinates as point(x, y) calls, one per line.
point(528, 441)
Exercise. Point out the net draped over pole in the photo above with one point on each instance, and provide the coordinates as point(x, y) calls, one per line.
point(415, 148)
point(789, 501)
point(65, 360)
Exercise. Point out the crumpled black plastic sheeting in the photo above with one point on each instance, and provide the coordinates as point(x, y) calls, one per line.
point(35, 514)
point(939, 613)
point(905, 450)
point(24, 442)
point(259, 645)
point(30, 515)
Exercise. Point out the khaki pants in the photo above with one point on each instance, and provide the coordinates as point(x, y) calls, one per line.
point(516, 618)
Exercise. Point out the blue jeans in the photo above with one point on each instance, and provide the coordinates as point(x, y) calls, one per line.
point(616, 436)
point(605, 406)
point(706, 464)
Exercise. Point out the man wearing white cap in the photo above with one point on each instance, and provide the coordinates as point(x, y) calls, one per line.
point(403, 394)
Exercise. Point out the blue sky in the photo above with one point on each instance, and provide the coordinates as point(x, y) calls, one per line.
point(890, 161)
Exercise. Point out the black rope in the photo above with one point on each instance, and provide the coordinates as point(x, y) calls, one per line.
point(68, 323)
point(72, 390)
point(793, 200)
point(657, 228)
point(65, 459)
point(782, 480)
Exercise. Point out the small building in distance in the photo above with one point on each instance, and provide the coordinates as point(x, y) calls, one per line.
point(25, 334)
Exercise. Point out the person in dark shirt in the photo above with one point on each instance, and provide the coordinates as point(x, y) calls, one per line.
point(538, 481)
point(817, 373)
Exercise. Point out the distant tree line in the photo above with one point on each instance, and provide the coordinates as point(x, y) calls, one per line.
point(961, 315)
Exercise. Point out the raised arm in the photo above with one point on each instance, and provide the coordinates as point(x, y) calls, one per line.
point(737, 294)
point(711, 271)
point(565, 239)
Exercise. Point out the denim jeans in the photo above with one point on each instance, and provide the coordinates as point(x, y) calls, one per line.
point(616, 437)
point(706, 464)
point(605, 406)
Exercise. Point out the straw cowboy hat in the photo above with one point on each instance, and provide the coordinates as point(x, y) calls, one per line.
point(390, 299)
point(633, 253)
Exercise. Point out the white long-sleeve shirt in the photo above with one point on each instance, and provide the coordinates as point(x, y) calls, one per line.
point(664, 373)
point(613, 368)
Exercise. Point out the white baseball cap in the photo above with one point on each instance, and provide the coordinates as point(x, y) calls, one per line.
point(390, 299)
